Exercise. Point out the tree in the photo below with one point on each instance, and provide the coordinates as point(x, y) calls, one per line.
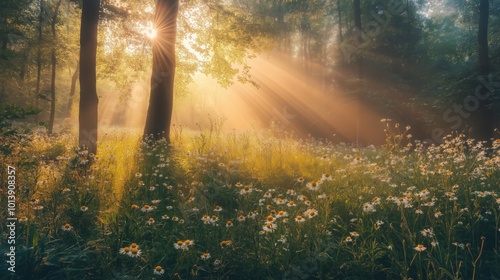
point(159, 114)
point(485, 123)
point(88, 91)
point(54, 65)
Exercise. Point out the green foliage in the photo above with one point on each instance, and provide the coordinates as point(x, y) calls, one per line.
point(209, 207)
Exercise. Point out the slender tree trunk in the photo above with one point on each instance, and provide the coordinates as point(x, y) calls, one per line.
point(54, 65)
point(87, 137)
point(358, 26)
point(159, 114)
point(39, 57)
point(359, 64)
point(72, 90)
point(486, 116)
point(339, 12)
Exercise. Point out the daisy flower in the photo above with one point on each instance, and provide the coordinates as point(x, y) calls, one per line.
point(348, 239)
point(420, 248)
point(134, 253)
point(214, 219)
point(217, 208)
point(158, 270)
point(229, 224)
point(313, 186)
point(146, 208)
point(282, 214)
point(150, 221)
point(225, 243)
point(246, 190)
point(134, 206)
point(311, 213)
point(124, 251)
point(84, 208)
point(300, 219)
point(165, 217)
point(269, 227)
point(354, 233)
point(66, 227)
point(205, 256)
point(241, 218)
point(326, 177)
point(178, 245)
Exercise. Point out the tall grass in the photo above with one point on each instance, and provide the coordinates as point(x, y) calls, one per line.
point(256, 205)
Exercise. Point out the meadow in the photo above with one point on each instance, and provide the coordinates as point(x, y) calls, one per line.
point(217, 204)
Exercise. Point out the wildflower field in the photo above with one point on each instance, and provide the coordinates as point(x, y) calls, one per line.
point(253, 205)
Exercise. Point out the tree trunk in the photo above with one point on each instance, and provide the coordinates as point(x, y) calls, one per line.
point(358, 26)
point(87, 138)
point(159, 114)
point(359, 64)
point(54, 65)
point(39, 58)
point(72, 89)
point(339, 12)
point(486, 116)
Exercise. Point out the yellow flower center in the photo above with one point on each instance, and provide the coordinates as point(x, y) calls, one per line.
point(299, 217)
point(312, 213)
point(270, 218)
point(133, 245)
point(135, 251)
point(126, 249)
point(67, 225)
point(180, 243)
point(158, 268)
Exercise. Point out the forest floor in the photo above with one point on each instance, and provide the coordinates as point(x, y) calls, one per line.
point(253, 205)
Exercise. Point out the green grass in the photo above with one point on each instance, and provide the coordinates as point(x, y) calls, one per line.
point(373, 207)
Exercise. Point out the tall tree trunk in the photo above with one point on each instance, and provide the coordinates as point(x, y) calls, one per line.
point(339, 12)
point(486, 116)
point(39, 57)
point(53, 56)
point(72, 89)
point(359, 64)
point(159, 114)
point(87, 137)
point(358, 26)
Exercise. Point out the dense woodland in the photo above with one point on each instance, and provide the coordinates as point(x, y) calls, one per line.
point(209, 139)
point(429, 64)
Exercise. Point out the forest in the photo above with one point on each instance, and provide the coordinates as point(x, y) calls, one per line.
point(249, 139)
